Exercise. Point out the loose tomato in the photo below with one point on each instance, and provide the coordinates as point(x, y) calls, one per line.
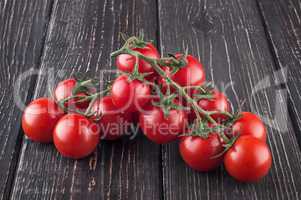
point(248, 160)
point(126, 62)
point(250, 124)
point(129, 95)
point(75, 136)
point(159, 128)
point(64, 90)
point(113, 123)
point(202, 154)
point(218, 102)
point(39, 119)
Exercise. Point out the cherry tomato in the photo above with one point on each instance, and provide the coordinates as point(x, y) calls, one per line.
point(161, 83)
point(129, 95)
point(202, 154)
point(113, 123)
point(192, 74)
point(126, 62)
point(39, 119)
point(219, 102)
point(159, 128)
point(250, 124)
point(75, 136)
point(64, 90)
point(248, 160)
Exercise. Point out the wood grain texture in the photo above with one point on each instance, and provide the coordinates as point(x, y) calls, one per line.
point(23, 27)
point(284, 34)
point(82, 33)
point(228, 36)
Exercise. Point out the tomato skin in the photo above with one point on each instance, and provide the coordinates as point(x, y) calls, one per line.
point(113, 123)
point(192, 74)
point(160, 129)
point(64, 90)
point(248, 160)
point(39, 119)
point(161, 80)
point(219, 102)
point(250, 124)
point(75, 136)
point(129, 95)
point(198, 152)
point(126, 62)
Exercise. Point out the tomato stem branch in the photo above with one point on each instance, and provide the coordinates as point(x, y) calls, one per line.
point(156, 66)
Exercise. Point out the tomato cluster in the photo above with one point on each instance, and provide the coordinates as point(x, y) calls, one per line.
point(168, 98)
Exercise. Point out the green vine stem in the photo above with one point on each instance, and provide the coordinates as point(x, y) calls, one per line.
point(170, 61)
point(156, 66)
point(92, 98)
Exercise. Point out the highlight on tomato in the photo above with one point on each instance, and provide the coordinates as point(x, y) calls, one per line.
point(39, 119)
point(248, 160)
point(202, 153)
point(75, 136)
point(249, 124)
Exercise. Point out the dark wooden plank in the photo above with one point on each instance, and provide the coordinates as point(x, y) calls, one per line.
point(81, 36)
point(284, 33)
point(22, 33)
point(229, 38)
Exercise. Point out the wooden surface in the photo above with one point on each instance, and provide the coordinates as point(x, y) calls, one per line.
point(243, 44)
point(22, 35)
point(284, 36)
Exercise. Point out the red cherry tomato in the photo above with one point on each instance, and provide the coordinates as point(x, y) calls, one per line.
point(64, 90)
point(126, 62)
point(248, 160)
point(162, 83)
point(75, 136)
point(129, 95)
point(159, 128)
point(113, 123)
point(219, 102)
point(250, 124)
point(192, 74)
point(202, 154)
point(39, 119)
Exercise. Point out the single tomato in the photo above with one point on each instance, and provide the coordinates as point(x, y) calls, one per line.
point(159, 128)
point(248, 160)
point(192, 74)
point(39, 119)
point(202, 154)
point(249, 124)
point(130, 95)
point(218, 102)
point(64, 90)
point(113, 123)
point(126, 62)
point(75, 136)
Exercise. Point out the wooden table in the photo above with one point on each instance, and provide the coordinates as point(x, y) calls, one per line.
point(253, 44)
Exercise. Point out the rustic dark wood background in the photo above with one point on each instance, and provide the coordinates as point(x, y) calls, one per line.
point(238, 41)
